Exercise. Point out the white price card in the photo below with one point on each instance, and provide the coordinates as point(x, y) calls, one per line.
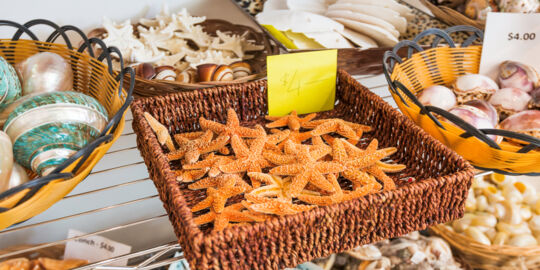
point(94, 248)
point(510, 36)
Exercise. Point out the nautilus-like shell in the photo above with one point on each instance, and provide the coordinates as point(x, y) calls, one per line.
point(6, 160)
point(486, 108)
point(473, 86)
point(48, 128)
point(45, 72)
point(10, 87)
point(518, 75)
point(438, 96)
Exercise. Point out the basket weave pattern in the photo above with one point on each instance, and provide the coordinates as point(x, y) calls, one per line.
point(438, 194)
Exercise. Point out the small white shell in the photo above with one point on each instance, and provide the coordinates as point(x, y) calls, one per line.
point(438, 96)
point(512, 213)
point(477, 235)
point(470, 202)
point(513, 229)
point(462, 224)
point(493, 194)
point(534, 224)
point(474, 86)
point(481, 203)
point(525, 212)
point(166, 74)
point(484, 219)
point(366, 253)
point(439, 247)
point(508, 101)
point(536, 206)
point(500, 238)
point(491, 233)
point(522, 240)
point(511, 193)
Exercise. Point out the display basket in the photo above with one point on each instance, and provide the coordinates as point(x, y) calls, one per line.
point(91, 77)
point(146, 88)
point(437, 195)
point(442, 65)
point(493, 257)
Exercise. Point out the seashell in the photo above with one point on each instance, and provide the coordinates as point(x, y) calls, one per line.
point(492, 193)
point(483, 229)
point(440, 248)
point(499, 210)
point(48, 128)
point(18, 177)
point(484, 219)
point(4, 114)
point(501, 179)
point(438, 96)
point(366, 253)
point(481, 203)
point(166, 73)
point(10, 86)
point(45, 72)
point(534, 224)
point(500, 238)
point(527, 191)
point(470, 202)
point(509, 101)
point(475, 117)
point(223, 73)
point(525, 212)
point(383, 263)
point(463, 223)
point(535, 99)
point(473, 86)
point(490, 233)
point(477, 235)
point(518, 6)
point(145, 71)
point(241, 69)
point(206, 71)
point(187, 76)
point(486, 108)
point(512, 212)
point(511, 193)
point(513, 229)
point(479, 183)
point(518, 75)
point(536, 206)
point(6, 160)
point(522, 240)
point(527, 122)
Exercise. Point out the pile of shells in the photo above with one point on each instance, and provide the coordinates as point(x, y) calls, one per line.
point(513, 104)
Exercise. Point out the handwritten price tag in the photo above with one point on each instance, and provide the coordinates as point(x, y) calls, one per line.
point(305, 82)
point(510, 36)
point(94, 248)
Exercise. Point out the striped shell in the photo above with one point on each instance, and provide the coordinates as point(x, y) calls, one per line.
point(10, 86)
point(48, 128)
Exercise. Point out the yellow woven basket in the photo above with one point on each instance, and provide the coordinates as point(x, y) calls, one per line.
point(90, 76)
point(442, 65)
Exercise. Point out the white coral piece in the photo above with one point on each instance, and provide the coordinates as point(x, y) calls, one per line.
point(121, 36)
point(171, 60)
point(210, 57)
point(226, 42)
point(197, 35)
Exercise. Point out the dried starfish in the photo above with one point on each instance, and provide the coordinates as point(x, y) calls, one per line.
point(355, 164)
point(249, 159)
point(294, 136)
point(292, 121)
point(224, 180)
point(308, 170)
point(231, 213)
point(339, 196)
point(275, 185)
point(276, 206)
point(212, 162)
point(352, 131)
point(163, 135)
point(317, 151)
point(231, 128)
point(217, 198)
point(187, 176)
point(191, 150)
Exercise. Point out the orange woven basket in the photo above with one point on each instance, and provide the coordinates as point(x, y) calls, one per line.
point(442, 65)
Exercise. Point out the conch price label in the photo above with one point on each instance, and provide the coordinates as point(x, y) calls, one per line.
point(510, 36)
point(94, 248)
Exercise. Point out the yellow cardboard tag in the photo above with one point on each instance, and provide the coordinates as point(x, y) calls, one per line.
point(305, 82)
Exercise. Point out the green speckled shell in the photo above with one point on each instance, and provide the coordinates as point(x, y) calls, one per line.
point(34, 143)
point(10, 86)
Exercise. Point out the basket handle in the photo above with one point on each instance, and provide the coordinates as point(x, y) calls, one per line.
point(438, 33)
point(57, 28)
point(533, 141)
point(85, 153)
point(36, 183)
point(115, 120)
point(477, 34)
point(21, 28)
point(54, 36)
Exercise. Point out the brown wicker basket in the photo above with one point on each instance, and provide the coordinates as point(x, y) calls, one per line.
point(438, 195)
point(146, 88)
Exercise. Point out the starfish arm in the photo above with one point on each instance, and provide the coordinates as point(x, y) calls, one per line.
point(359, 192)
point(192, 155)
point(272, 118)
point(207, 202)
point(346, 131)
point(360, 178)
point(278, 137)
point(239, 147)
point(325, 128)
point(247, 132)
point(232, 118)
point(301, 207)
point(338, 151)
point(244, 185)
point(206, 137)
point(238, 216)
point(320, 151)
point(162, 134)
point(367, 160)
point(205, 219)
point(180, 140)
point(215, 145)
point(373, 145)
point(278, 159)
point(297, 185)
point(205, 183)
point(190, 135)
point(239, 165)
point(317, 199)
point(293, 123)
point(320, 181)
point(315, 123)
point(359, 127)
point(267, 191)
point(187, 176)
point(176, 155)
point(261, 177)
point(352, 150)
point(390, 168)
point(291, 169)
point(302, 136)
point(220, 223)
point(280, 122)
point(308, 118)
point(325, 167)
point(258, 145)
point(388, 183)
point(224, 150)
point(205, 163)
point(332, 179)
point(211, 125)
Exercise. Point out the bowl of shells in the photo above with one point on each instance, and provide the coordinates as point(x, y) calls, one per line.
point(493, 123)
point(501, 225)
point(177, 51)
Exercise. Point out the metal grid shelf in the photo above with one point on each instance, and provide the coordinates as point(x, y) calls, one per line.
point(120, 202)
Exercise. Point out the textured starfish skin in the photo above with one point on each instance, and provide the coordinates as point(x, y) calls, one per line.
point(191, 150)
point(355, 164)
point(211, 162)
point(162, 134)
point(307, 170)
point(292, 121)
point(217, 198)
point(231, 213)
point(231, 128)
point(350, 130)
point(187, 176)
point(223, 180)
point(338, 196)
point(276, 206)
point(249, 159)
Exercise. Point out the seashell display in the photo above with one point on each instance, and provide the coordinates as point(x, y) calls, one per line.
point(187, 76)
point(241, 69)
point(18, 177)
point(166, 73)
point(6, 160)
point(438, 96)
point(535, 99)
point(527, 122)
point(473, 86)
point(517, 75)
point(145, 70)
point(10, 86)
point(206, 71)
point(223, 73)
point(509, 101)
point(486, 108)
point(475, 117)
point(48, 128)
point(45, 72)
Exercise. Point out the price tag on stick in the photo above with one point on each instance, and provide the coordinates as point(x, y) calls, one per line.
point(305, 82)
point(510, 36)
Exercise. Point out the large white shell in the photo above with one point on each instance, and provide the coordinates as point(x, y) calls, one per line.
point(474, 86)
point(438, 96)
point(486, 108)
point(45, 72)
point(527, 122)
point(522, 240)
point(475, 117)
point(508, 101)
point(518, 75)
point(6, 160)
point(18, 177)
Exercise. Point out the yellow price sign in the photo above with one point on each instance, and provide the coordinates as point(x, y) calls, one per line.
point(304, 82)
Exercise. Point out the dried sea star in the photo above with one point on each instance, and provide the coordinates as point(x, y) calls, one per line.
point(163, 135)
point(221, 181)
point(275, 206)
point(190, 150)
point(292, 121)
point(211, 162)
point(249, 159)
point(217, 198)
point(231, 128)
point(231, 213)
